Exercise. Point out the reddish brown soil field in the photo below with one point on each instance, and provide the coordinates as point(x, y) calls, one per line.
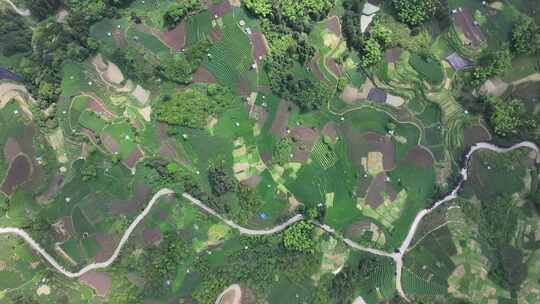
point(374, 197)
point(330, 130)
point(334, 26)
point(333, 66)
point(243, 87)
point(18, 173)
point(384, 145)
point(204, 76)
point(465, 23)
point(355, 229)
point(266, 157)
point(475, 134)
point(98, 107)
point(67, 225)
point(219, 9)
point(175, 38)
point(132, 205)
point(11, 149)
point(260, 114)
point(151, 236)
point(281, 121)
point(315, 69)
point(133, 157)
point(252, 181)
point(100, 281)
point(259, 46)
point(379, 186)
point(392, 55)
point(89, 133)
point(167, 150)
point(109, 142)
point(303, 141)
point(107, 244)
point(54, 186)
point(420, 157)
point(119, 38)
point(215, 35)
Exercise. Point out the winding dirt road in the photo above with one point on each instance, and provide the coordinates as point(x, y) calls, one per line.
point(24, 13)
point(396, 256)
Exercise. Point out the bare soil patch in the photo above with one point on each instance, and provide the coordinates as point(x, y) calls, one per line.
point(133, 204)
point(204, 76)
point(11, 149)
point(464, 22)
point(259, 44)
point(475, 134)
point(219, 9)
point(331, 130)
point(109, 142)
point(97, 106)
point(243, 87)
point(281, 121)
point(334, 25)
point(120, 38)
point(252, 181)
point(175, 38)
point(107, 244)
point(303, 141)
point(383, 144)
point(133, 157)
point(54, 186)
point(420, 157)
point(101, 282)
point(392, 55)
point(18, 173)
point(333, 66)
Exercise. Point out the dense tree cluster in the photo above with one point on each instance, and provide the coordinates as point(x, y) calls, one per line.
point(525, 36)
point(510, 117)
point(180, 67)
point(258, 267)
point(192, 107)
point(15, 34)
point(306, 93)
point(297, 14)
point(491, 64)
point(177, 11)
point(370, 45)
point(415, 12)
point(299, 237)
point(220, 181)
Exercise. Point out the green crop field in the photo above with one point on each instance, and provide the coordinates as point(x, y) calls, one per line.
point(313, 145)
point(428, 69)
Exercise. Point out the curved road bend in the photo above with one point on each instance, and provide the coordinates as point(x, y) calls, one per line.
point(24, 13)
point(397, 256)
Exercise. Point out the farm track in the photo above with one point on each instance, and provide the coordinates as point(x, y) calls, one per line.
point(396, 256)
point(24, 13)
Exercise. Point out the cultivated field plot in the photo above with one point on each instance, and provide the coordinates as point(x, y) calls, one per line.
point(242, 152)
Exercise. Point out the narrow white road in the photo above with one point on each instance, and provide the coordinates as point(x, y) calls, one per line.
point(397, 256)
point(24, 13)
